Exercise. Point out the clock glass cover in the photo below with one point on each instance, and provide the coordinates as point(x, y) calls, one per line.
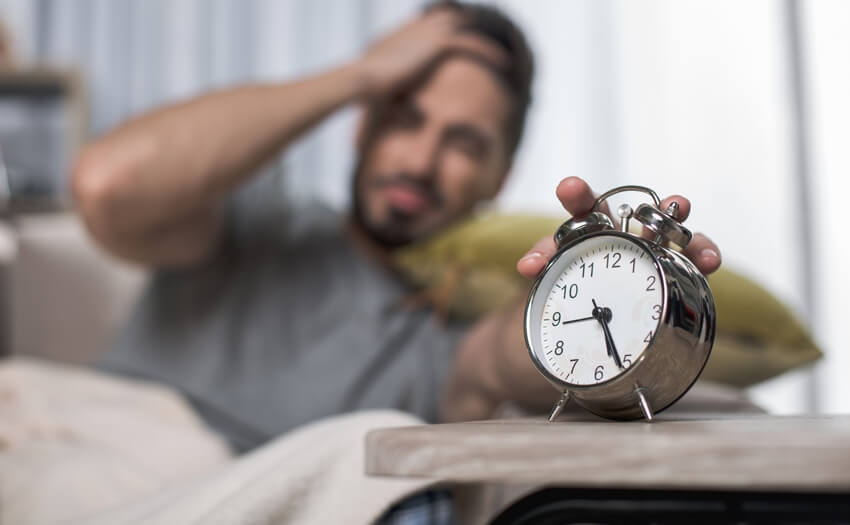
point(598, 309)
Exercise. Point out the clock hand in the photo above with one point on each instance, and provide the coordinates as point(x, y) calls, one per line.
point(603, 315)
point(598, 314)
point(612, 350)
point(578, 320)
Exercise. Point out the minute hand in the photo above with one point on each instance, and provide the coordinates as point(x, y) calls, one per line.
point(609, 342)
point(602, 315)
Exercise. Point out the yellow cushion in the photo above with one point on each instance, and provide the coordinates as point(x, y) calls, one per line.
point(758, 337)
point(470, 270)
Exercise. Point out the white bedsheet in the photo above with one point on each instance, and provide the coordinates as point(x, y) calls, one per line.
point(80, 447)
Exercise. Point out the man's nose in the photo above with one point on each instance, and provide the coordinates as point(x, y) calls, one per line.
point(421, 159)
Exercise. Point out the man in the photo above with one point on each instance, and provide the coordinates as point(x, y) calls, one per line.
point(267, 315)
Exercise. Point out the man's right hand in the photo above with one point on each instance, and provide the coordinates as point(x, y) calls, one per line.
point(392, 62)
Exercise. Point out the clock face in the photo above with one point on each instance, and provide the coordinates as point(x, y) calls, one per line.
point(597, 308)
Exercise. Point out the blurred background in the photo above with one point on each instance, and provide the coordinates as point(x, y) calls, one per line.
point(741, 106)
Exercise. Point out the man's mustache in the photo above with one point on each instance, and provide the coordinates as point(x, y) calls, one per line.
point(423, 185)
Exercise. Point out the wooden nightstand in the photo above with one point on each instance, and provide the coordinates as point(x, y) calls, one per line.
point(683, 468)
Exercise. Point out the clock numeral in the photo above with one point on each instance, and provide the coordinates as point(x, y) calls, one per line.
point(633, 265)
point(657, 315)
point(588, 267)
point(627, 360)
point(648, 338)
point(615, 257)
point(556, 318)
point(559, 347)
point(572, 290)
point(599, 373)
point(573, 369)
point(651, 286)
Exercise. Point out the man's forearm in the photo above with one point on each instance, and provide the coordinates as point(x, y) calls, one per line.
point(491, 367)
point(161, 169)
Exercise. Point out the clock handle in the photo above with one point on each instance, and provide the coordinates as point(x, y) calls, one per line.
point(663, 223)
point(621, 189)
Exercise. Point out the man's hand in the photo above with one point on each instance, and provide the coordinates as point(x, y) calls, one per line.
point(578, 199)
point(397, 59)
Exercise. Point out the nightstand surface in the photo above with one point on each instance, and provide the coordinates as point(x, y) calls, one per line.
point(746, 452)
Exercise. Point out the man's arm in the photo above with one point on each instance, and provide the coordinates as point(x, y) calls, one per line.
point(152, 190)
point(492, 364)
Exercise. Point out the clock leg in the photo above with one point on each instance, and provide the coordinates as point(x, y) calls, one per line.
point(559, 406)
point(644, 403)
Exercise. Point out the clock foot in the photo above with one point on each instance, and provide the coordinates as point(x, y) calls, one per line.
point(644, 403)
point(559, 406)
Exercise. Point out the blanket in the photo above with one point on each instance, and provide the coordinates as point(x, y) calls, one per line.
point(81, 447)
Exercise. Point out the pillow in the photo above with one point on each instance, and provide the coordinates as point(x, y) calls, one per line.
point(469, 270)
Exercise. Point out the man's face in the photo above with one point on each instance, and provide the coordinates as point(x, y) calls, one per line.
point(434, 154)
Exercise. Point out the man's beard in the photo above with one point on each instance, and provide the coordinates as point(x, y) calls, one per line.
point(397, 229)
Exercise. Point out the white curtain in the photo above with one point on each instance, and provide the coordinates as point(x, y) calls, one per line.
point(825, 24)
point(137, 54)
point(686, 96)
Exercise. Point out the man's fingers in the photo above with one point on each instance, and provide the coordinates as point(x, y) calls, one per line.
point(578, 199)
point(684, 206)
point(440, 14)
point(681, 215)
point(439, 21)
point(533, 262)
point(478, 46)
point(701, 250)
point(575, 195)
point(703, 253)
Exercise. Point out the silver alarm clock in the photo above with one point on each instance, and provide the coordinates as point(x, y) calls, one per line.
point(620, 323)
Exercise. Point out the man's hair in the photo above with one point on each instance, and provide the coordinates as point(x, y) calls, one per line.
point(494, 25)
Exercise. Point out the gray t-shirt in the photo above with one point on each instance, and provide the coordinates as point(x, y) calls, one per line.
point(288, 324)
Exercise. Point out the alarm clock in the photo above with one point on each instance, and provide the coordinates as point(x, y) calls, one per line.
point(618, 322)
